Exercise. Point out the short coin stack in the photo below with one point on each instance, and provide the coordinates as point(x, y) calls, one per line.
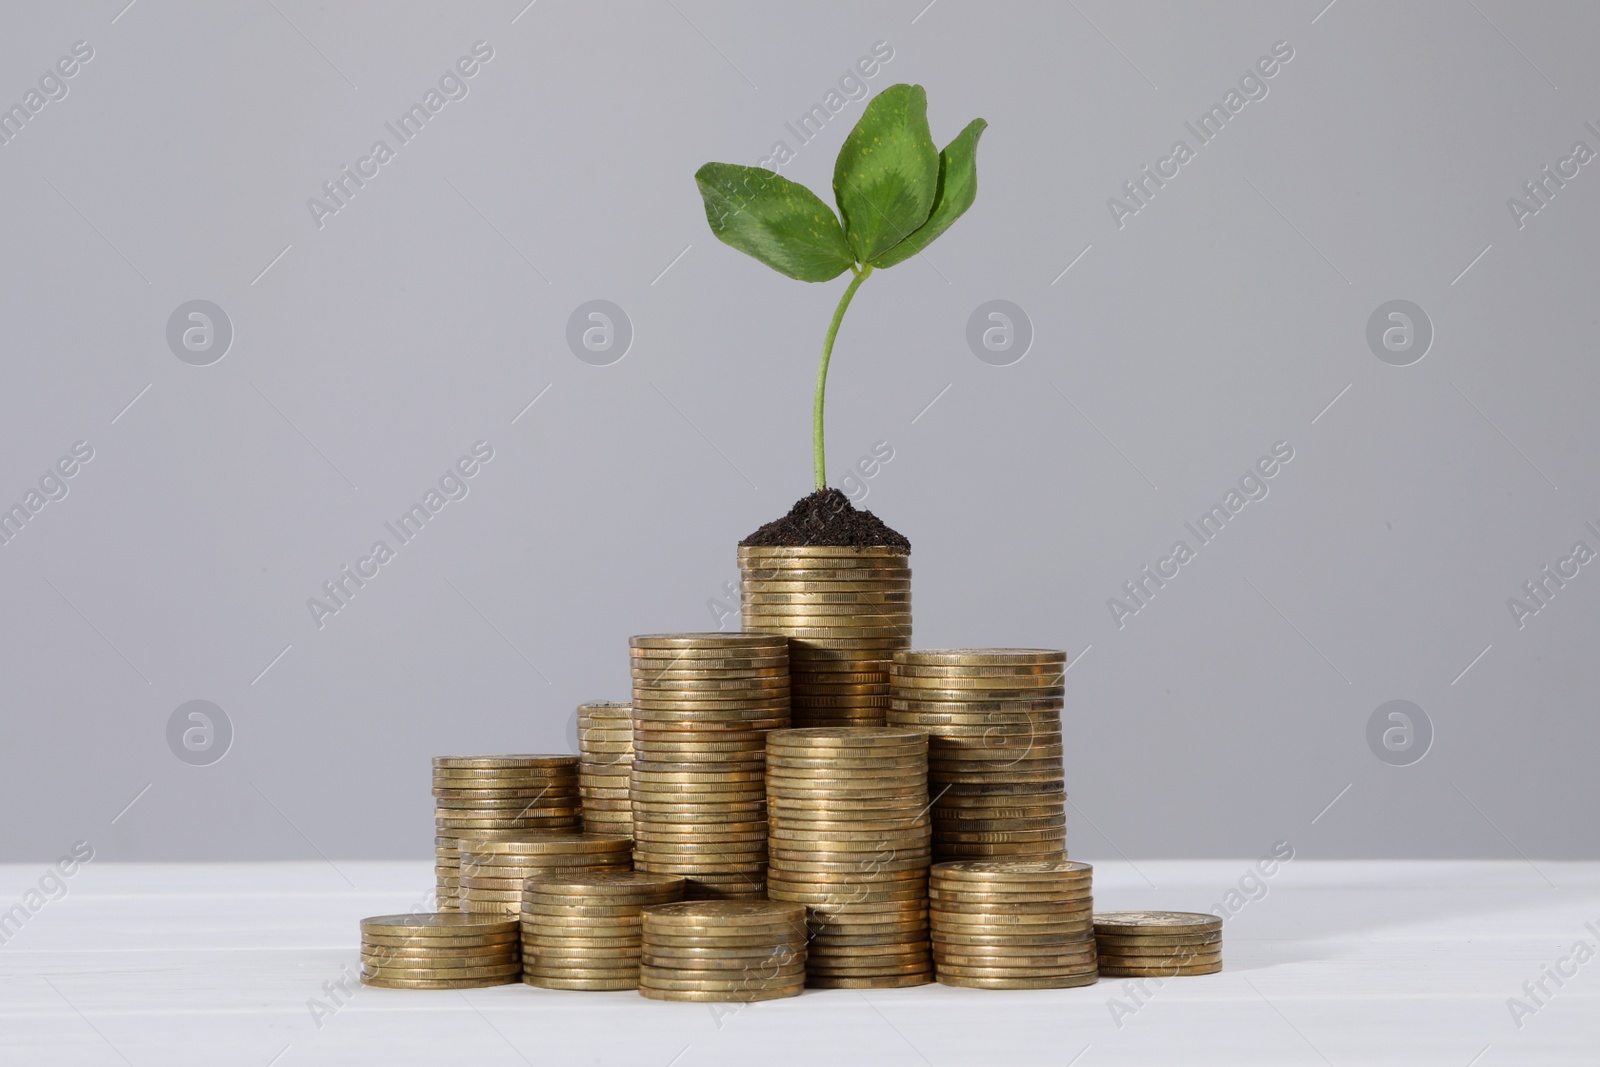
point(845, 610)
point(994, 758)
point(605, 765)
point(1162, 944)
point(1013, 924)
point(473, 793)
point(439, 950)
point(493, 870)
point(849, 837)
point(723, 950)
point(702, 706)
point(582, 931)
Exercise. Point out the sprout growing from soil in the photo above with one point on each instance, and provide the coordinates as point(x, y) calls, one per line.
point(896, 192)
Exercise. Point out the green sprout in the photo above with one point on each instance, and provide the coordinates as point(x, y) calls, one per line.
point(896, 193)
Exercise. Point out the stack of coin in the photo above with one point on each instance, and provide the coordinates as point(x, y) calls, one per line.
point(994, 757)
point(582, 931)
point(845, 612)
point(1013, 924)
point(475, 793)
point(849, 837)
point(741, 950)
point(702, 705)
point(605, 741)
point(439, 950)
point(1160, 944)
point(493, 869)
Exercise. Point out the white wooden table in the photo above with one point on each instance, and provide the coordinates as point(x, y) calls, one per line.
point(1339, 963)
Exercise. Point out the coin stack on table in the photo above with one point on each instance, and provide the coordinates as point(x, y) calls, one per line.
point(493, 870)
point(476, 793)
point(583, 930)
point(845, 611)
point(439, 950)
point(1013, 924)
point(605, 765)
point(1162, 944)
point(723, 950)
point(994, 756)
point(849, 837)
point(702, 706)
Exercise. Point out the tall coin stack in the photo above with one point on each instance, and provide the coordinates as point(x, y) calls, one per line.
point(1161, 944)
point(849, 837)
point(582, 931)
point(845, 610)
point(439, 950)
point(994, 755)
point(493, 870)
point(605, 765)
point(702, 706)
point(1013, 924)
point(474, 793)
point(727, 950)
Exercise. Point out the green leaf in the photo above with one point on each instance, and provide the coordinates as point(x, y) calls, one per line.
point(780, 222)
point(887, 173)
point(958, 187)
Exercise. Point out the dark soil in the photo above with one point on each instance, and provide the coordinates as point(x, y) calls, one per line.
point(827, 517)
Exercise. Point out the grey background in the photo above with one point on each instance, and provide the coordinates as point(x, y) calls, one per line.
point(426, 316)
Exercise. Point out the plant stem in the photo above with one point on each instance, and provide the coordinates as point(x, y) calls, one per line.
point(818, 456)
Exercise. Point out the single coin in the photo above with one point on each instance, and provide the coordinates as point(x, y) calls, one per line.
point(541, 762)
point(977, 656)
point(595, 984)
point(892, 981)
point(1016, 870)
point(449, 983)
point(431, 942)
point(434, 973)
point(1170, 942)
point(1120, 970)
point(663, 979)
point(446, 924)
point(1180, 959)
point(743, 996)
point(1164, 922)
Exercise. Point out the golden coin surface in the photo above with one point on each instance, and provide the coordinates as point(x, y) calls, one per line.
point(897, 981)
point(1163, 922)
point(1171, 943)
point(723, 914)
point(1181, 959)
point(744, 996)
point(433, 942)
point(1118, 970)
point(965, 656)
point(447, 924)
point(541, 762)
point(449, 983)
point(1014, 870)
point(1067, 981)
point(592, 984)
point(435, 973)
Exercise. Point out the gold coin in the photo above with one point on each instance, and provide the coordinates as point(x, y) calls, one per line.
point(1051, 963)
point(833, 596)
point(1163, 922)
point(714, 667)
point(1167, 942)
point(1179, 959)
point(432, 942)
point(654, 978)
point(714, 914)
point(979, 656)
point(448, 983)
point(594, 984)
point(1013, 871)
point(435, 973)
point(917, 701)
point(528, 762)
point(1014, 934)
point(1066, 981)
point(743, 996)
point(435, 924)
point(955, 971)
point(1118, 970)
point(889, 981)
